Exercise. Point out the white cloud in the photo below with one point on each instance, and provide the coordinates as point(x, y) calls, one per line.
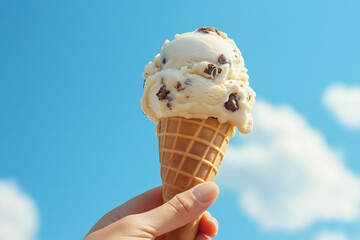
point(330, 235)
point(344, 103)
point(286, 174)
point(18, 213)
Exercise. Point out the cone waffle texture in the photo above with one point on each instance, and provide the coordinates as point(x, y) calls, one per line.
point(191, 151)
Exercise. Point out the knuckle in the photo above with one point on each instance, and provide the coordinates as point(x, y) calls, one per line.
point(181, 205)
point(147, 232)
point(137, 227)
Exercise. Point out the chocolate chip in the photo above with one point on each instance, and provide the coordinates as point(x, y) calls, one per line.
point(187, 82)
point(232, 104)
point(144, 83)
point(213, 117)
point(179, 87)
point(212, 70)
point(164, 60)
point(162, 94)
point(222, 59)
point(169, 105)
point(208, 29)
point(187, 96)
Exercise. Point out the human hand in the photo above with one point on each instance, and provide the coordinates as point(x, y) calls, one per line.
point(147, 217)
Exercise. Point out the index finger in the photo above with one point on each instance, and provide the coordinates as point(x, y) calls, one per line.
point(139, 204)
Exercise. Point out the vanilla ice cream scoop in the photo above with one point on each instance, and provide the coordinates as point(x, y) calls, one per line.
point(199, 74)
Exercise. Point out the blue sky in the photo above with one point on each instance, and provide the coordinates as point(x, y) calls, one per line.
point(75, 144)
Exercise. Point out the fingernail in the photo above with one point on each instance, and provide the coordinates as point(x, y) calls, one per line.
point(208, 214)
point(206, 192)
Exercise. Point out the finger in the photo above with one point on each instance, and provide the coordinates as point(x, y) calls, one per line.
point(201, 236)
point(163, 237)
point(208, 225)
point(180, 210)
point(139, 204)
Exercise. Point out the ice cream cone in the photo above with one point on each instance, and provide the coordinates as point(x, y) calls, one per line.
point(190, 151)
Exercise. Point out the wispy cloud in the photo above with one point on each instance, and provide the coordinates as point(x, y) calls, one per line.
point(344, 103)
point(18, 213)
point(286, 174)
point(331, 235)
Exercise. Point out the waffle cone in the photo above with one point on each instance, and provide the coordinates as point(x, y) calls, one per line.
point(190, 151)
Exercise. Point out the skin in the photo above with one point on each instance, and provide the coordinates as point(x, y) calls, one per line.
point(147, 217)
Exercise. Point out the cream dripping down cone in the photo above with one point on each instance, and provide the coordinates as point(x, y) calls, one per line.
point(190, 152)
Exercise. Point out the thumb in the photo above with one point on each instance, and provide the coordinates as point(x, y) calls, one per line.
point(181, 209)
